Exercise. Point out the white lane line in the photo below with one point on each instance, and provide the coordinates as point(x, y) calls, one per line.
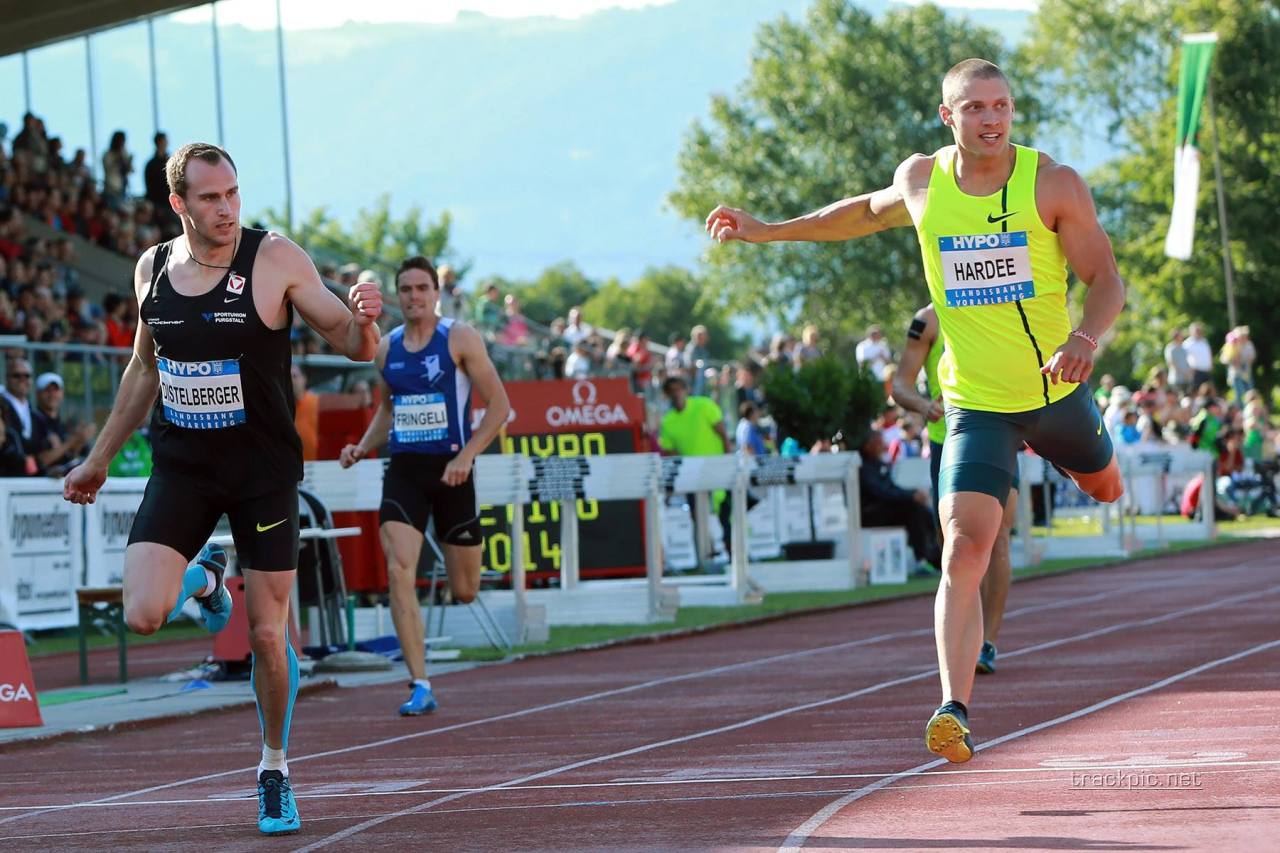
point(894, 635)
point(807, 706)
point(630, 801)
point(801, 834)
point(606, 694)
point(1062, 773)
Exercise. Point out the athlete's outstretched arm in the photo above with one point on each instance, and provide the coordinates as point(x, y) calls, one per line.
point(1088, 251)
point(921, 334)
point(846, 219)
point(379, 429)
point(472, 357)
point(842, 220)
point(349, 328)
point(134, 399)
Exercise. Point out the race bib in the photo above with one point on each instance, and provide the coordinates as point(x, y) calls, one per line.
point(419, 417)
point(986, 269)
point(201, 394)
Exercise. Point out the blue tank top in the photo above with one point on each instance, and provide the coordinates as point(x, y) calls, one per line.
point(430, 397)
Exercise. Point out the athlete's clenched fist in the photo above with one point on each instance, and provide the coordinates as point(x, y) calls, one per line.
point(365, 300)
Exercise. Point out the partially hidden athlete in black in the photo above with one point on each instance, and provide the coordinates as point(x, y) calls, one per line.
point(212, 358)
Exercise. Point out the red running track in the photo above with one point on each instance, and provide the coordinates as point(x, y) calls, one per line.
point(1133, 710)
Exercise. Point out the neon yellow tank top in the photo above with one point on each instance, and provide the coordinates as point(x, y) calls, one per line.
point(937, 430)
point(998, 280)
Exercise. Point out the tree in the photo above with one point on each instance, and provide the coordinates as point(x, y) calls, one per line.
point(663, 301)
point(376, 239)
point(831, 107)
point(556, 289)
point(826, 396)
point(1121, 61)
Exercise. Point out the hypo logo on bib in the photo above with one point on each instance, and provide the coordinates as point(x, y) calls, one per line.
point(419, 417)
point(986, 269)
point(201, 394)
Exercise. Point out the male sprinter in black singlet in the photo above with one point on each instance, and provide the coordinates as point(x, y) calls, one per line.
point(428, 367)
point(216, 306)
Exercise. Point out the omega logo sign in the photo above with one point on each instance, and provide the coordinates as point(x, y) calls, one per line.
point(585, 410)
point(584, 393)
point(8, 693)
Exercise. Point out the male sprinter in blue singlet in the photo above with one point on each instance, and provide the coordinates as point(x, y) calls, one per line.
point(924, 349)
point(216, 305)
point(429, 366)
point(998, 225)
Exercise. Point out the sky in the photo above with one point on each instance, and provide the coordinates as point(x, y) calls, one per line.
point(321, 14)
point(577, 106)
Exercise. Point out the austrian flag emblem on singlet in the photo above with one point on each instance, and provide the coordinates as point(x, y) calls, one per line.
point(986, 269)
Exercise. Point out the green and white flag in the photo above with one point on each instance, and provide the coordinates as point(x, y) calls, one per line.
point(1197, 56)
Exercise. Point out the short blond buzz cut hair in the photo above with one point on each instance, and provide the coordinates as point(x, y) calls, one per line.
point(175, 170)
point(962, 72)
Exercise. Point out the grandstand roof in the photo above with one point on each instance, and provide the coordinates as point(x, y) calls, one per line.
point(33, 24)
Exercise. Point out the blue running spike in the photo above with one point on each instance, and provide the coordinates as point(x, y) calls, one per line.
point(216, 606)
point(277, 810)
point(421, 701)
point(987, 659)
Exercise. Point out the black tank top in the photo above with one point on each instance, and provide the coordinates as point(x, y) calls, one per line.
point(224, 414)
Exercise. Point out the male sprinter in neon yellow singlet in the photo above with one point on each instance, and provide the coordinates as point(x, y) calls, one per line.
point(924, 348)
point(998, 225)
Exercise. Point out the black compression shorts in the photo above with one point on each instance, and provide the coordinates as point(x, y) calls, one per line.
point(980, 453)
point(182, 514)
point(413, 493)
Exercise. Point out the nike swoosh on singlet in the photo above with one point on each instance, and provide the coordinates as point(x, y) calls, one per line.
point(233, 299)
point(262, 529)
point(1001, 218)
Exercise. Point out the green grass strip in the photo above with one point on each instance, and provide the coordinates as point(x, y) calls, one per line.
point(570, 637)
point(48, 700)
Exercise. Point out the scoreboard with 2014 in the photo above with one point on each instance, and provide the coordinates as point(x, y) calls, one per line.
point(565, 419)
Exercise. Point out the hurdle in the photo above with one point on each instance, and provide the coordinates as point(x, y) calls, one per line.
point(499, 480)
point(854, 557)
point(701, 477)
point(1153, 475)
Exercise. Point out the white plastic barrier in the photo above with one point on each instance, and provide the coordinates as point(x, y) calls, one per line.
point(832, 479)
point(517, 480)
point(701, 476)
point(108, 521)
point(1154, 475)
point(41, 555)
point(620, 476)
point(912, 473)
point(499, 480)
